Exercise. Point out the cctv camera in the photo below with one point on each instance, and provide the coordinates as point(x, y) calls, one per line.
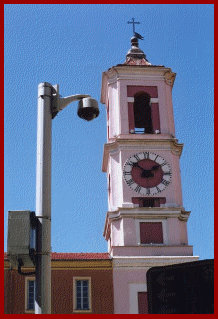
point(88, 109)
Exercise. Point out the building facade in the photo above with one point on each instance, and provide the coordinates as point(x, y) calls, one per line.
point(81, 284)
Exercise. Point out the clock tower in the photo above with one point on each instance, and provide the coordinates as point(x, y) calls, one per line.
point(146, 223)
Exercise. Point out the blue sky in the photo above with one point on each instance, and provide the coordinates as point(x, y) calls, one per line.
point(71, 45)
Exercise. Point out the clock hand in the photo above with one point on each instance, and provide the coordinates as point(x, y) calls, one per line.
point(154, 168)
point(148, 173)
point(137, 165)
point(145, 172)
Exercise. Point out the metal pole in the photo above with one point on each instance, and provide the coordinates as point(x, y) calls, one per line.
point(43, 200)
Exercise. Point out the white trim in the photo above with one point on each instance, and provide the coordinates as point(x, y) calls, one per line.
point(152, 99)
point(134, 288)
point(136, 77)
point(164, 229)
point(89, 295)
point(136, 262)
point(26, 294)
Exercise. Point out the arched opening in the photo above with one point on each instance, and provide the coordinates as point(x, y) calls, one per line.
point(142, 113)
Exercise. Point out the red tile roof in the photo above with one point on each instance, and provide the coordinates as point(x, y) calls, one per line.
point(76, 256)
point(79, 256)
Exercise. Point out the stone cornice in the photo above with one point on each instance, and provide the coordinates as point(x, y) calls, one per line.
point(154, 142)
point(150, 261)
point(149, 212)
point(145, 213)
point(116, 262)
point(139, 72)
point(73, 264)
point(125, 71)
point(106, 264)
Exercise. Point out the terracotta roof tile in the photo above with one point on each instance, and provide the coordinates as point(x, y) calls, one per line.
point(76, 256)
point(79, 256)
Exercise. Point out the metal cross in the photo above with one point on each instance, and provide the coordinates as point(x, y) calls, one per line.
point(133, 22)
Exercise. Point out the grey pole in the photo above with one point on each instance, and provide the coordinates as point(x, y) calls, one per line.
point(43, 200)
point(49, 104)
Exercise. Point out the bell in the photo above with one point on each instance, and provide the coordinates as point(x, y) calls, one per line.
point(88, 109)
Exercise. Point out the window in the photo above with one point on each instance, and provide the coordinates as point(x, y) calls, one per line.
point(108, 122)
point(30, 295)
point(82, 298)
point(109, 184)
point(149, 202)
point(82, 294)
point(142, 113)
point(143, 110)
point(151, 232)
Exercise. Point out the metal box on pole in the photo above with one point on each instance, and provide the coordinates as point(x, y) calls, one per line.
point(21, 243)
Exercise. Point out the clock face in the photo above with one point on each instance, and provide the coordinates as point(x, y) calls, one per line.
point(147, 173)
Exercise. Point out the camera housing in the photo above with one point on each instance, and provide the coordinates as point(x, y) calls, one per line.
point(88, 109)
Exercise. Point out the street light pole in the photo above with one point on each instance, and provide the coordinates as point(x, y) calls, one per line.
point(49, 104)
point(43, 200)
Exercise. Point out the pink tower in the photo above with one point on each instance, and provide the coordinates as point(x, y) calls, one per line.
point(146, 223)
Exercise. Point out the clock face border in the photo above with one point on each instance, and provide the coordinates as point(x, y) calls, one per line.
point(167, 173)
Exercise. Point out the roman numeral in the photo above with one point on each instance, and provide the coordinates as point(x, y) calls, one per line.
point(127, 173)
point(137, 189)
point(163, 164)
point(167, 173)
point(148, 192)
point(158, 189)
point(130, 182)
point(131, 163)
point(166, 183)
point(146, 154)
point(136, 157)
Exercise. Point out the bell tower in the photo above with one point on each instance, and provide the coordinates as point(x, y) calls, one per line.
point(146, 223)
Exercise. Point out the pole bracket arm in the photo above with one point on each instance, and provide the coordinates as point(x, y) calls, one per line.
point(58, 103)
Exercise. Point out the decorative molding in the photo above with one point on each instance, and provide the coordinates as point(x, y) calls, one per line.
point(149, 261)
point(130, 77)
point(184, 216)
point(130, 72)
point(156, 142)
point(73, 264)
point(127, 70)
point(83, 264)
point(169, 77)
point(152, 99)
point(149, 212)
point(153, 213)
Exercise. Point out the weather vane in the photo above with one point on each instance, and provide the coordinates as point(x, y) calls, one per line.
point(137, 35)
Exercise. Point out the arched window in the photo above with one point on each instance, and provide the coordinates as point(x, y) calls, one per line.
point(142, 113)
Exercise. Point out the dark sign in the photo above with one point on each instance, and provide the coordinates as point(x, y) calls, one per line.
point(186, 288)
